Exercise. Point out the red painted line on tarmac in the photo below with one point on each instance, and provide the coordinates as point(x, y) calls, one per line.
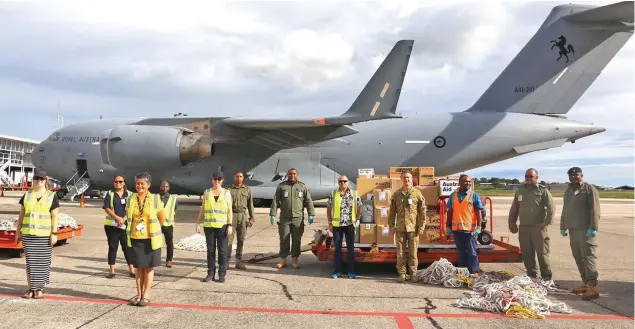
point(403, 322)
point(395, 315)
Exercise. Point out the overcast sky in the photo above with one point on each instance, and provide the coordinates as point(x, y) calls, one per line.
point(287, 58)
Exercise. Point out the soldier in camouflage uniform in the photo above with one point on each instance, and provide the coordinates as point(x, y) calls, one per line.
point(580, 215)
point(407, 219)
point(534, 204)
point(291, 197)
point(241, 201)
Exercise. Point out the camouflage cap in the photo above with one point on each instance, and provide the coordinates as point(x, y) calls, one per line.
point(574, 170)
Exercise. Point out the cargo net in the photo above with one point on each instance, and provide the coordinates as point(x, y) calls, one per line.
point(496, 292)
point(63, 220)
point(195, 242)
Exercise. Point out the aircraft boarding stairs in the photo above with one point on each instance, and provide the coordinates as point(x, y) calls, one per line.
point(5, 179)
point(76, 185)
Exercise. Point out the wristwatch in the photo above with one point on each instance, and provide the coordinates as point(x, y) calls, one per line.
point(54, 233)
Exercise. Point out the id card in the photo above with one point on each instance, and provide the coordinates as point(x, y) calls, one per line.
point(576, 192)
point(409, 201)
point(299, 194)
point(123, 201)
point(286, 194)
point(35, 216)
point(141, 227)
point(520, 197)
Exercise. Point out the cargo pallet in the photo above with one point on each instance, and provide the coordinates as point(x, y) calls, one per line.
point(489, 250)
point(7, 238)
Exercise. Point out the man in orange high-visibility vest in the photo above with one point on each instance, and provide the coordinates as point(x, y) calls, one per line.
point(465, 223)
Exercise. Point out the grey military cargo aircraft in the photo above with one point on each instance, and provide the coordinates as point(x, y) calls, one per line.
point(524, 110)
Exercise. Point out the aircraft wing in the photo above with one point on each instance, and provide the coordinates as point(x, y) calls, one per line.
point(377, 101)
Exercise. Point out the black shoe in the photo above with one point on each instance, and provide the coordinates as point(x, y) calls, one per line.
point(221, 279)
point(110, 275)
point(209, 278)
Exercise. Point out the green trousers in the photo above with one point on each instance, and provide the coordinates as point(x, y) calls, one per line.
point(239, 225)
point(583, 249)
point(290, 230)
point(535, 242)
point(407, 242)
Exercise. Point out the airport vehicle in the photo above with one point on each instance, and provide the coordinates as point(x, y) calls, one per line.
point(490, 250)
point(523, 111)
point(7, 238)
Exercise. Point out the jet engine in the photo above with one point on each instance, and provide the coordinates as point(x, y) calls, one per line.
point(151, 147)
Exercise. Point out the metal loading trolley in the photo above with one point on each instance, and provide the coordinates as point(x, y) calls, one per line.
point(490, 250)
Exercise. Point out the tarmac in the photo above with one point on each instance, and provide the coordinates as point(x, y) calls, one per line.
point(79, 295)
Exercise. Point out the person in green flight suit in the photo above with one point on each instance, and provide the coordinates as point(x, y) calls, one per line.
point(580, 216)
point(534, 205)
point(291, 196)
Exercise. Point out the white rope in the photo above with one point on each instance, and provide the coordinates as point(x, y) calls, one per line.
point(494, 292)
point(63, 220)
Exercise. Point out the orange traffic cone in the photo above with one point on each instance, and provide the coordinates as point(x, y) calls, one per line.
point(81, 201)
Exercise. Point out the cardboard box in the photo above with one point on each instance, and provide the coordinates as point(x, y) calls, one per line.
point(368, 212)
point(384, 236)
point(367, 233)
point(365, 186)
point(382, 197)
point(434, 218)
point(447, 186)
point(395, 172)
point(395, 184)
point(430, 193)
point(381, 216)
point(366, 172)
point(425, 176)
point(429, 237)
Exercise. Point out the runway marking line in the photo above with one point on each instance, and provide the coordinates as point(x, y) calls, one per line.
point(402, 319)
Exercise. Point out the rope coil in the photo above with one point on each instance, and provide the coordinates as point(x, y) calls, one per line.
point(496, 292)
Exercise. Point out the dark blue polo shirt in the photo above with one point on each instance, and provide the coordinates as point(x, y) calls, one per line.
point(120, 208)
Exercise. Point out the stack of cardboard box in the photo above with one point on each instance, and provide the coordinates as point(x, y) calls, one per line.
point(376, 192)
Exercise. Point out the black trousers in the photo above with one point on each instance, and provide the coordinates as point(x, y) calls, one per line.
point(216, 238)
point(168, 233)
point(115, 237)
point(339, 233)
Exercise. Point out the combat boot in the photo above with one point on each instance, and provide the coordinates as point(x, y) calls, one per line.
point(581, 289)
point(414, 278)
point(401, 278)
point(591, 293)
point(168, 264)
point(295, 263)
point(283, 263)
point(240, 265)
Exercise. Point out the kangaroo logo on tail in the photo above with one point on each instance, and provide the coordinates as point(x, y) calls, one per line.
point(564, 51)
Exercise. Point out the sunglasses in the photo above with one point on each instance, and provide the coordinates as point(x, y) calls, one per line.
point(38, 178)
point(343, 181)
point(217, 178)
point(118, 182)
point(529, 176)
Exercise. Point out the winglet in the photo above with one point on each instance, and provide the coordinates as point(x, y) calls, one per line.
point(380, 96)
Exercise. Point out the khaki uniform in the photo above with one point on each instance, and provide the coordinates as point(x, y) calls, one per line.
point(581, 212)
point(291, 199)
point(534, 205)
point(408, 215)
point(241, 201)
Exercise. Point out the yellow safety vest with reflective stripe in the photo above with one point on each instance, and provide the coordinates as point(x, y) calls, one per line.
point(169, 211)
point(215, 213)
point(154, 227)
point(337, 210)
point(109, 220)
point(37, 214)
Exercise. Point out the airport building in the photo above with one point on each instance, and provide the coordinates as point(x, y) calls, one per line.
point(15, 159)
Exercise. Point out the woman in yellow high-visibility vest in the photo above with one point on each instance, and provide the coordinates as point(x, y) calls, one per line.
point(144, 213)
point(37, 229)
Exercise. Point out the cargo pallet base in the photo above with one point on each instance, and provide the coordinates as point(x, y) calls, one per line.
point(7, 238)
point(489, 251)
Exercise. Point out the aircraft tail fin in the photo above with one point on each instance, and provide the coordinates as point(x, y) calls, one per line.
point(561, 61)
point(381, 94)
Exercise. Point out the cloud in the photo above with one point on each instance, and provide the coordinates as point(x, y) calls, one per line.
point(285, 58)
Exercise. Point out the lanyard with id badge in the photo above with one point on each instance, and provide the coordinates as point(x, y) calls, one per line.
point(141, 227)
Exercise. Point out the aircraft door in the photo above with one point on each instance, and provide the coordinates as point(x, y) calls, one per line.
point(328, 175)
point(82, 168)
